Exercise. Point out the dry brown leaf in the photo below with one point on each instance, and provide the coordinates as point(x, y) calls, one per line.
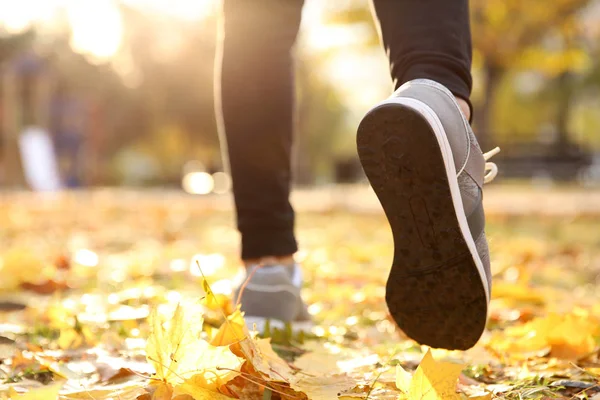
point(48, 287)
point(108, 373)
point(278, 369)
point(258, 352)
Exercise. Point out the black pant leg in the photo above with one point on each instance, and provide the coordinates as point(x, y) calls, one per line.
point(256, 95)
point(428, 39)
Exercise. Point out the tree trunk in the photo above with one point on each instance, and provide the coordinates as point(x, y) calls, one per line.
point(482, 116)
point(563, 113)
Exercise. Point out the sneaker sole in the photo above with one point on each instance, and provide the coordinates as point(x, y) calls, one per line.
point(437, 291)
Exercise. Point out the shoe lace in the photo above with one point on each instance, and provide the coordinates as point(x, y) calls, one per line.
point(491, 168)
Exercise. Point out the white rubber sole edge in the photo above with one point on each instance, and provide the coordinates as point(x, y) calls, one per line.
point(258, 324)
point(440, 134)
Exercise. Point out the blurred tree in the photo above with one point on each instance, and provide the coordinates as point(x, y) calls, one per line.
point(168, 65)
point(323, 110)
point(12, 44)
point(509, 35)
point(320, 124)
point(522, 34)
point(158, 85)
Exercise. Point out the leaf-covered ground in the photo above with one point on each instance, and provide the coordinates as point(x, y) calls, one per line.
point(101, 297)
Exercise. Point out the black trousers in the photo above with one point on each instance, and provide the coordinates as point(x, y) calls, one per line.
point(423, 39)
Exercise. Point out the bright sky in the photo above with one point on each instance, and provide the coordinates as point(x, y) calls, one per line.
point(96, 24)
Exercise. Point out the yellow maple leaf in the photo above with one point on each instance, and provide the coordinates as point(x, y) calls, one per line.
point(232, 331)
point(194, 387)
point(433, 380)
point(44, 393)
point(258, 352)
point(403, 379)
point(71, 338)
point(163, 391)
point(269, 366)
point(218, 301)
point(180, 356)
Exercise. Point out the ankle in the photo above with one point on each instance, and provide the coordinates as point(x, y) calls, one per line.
point(464, 107)
point(287, 260)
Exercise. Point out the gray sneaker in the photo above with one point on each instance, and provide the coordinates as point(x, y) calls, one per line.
point(273, 293)
point(426, 167)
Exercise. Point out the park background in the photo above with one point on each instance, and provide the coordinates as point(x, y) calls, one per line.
point(125, 88)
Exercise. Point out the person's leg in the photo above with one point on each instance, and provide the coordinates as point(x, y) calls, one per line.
point(425, 165)
point(257, 104)
point(428, 39)
point(255, 89)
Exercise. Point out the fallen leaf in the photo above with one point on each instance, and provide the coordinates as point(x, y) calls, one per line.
point(322, 387)
point(126, 391)
point(218, 301)
point(163, 391)
point(62, 262)
point(319, 362)
point(403, 379)
point(518, 292)
point(108, 373)
point(20, 265)
point(278, 369)
point(177, 352)
point(258, 352)
point(194, 387)
point(433, 380)
point(565, 336)
point(483, 396)
point(44, 393)
point(69, 339)
point(47, 287)
point(232, 331)
point(356, 392)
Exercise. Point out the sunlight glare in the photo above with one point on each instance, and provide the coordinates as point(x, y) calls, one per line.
point(188, 10)
point(222, 182)
point(210, 264)
point(198, 183)
point(86, 258)
point(97, 28)
point(96, 25)
point(16, 16)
